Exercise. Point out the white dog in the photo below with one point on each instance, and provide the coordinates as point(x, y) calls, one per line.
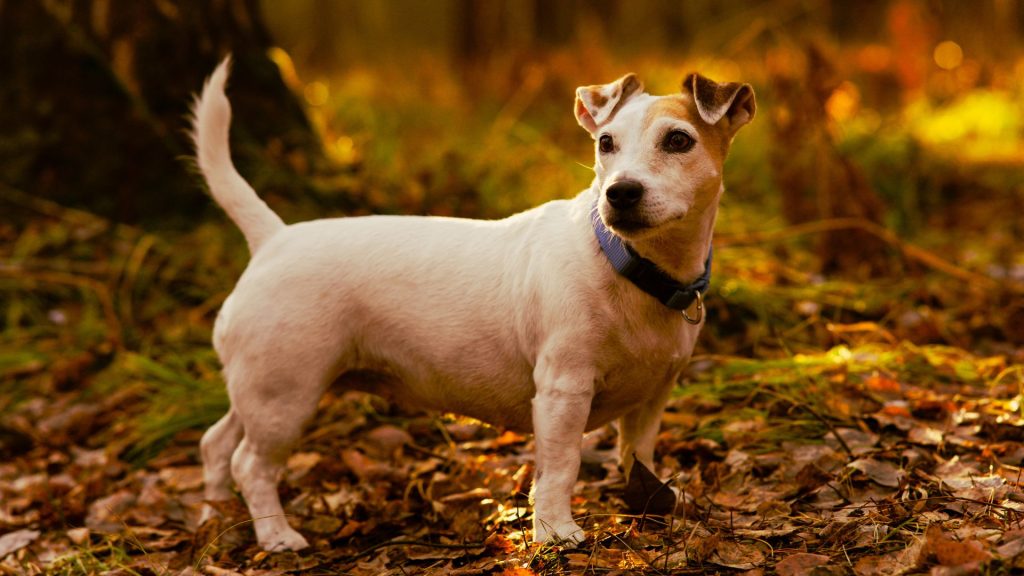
point(554, 321)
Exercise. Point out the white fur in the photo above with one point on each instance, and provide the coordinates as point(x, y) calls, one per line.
point(212, 114)
point(519, 322)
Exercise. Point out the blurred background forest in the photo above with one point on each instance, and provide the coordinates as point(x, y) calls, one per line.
point(876, 201)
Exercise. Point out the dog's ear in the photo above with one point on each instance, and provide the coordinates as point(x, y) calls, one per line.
point(595, 105)
point(732, 101)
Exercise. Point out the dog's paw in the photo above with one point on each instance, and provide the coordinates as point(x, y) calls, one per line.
point(565, 533)
point(208, 513)
point(283, 540)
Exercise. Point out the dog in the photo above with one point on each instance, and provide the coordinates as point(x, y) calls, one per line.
point(555, 321)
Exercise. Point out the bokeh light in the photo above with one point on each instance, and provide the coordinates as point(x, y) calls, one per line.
point(948, 55)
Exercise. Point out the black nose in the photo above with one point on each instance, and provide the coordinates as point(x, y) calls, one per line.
point(624, 194)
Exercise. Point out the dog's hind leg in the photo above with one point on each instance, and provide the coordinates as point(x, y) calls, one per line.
point(273, 411)
point(216, 447)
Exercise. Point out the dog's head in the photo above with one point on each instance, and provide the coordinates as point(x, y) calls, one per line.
point(659, 157)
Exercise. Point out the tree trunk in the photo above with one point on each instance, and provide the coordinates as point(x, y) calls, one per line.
point(817, 182)
point(96, 93)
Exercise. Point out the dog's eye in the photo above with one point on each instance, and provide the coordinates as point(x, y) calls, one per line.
point(605, 144)
point(678, 141)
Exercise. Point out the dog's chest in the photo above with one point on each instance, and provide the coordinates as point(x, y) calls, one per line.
point(637, 366)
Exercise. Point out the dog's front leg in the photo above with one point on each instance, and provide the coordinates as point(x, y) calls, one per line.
point(638, 431)
point(560, 411)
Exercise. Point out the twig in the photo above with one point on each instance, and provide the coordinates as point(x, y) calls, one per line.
point(831, 428)
point(908, 250)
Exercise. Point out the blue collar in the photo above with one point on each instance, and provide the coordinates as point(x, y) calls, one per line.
point(647, 276)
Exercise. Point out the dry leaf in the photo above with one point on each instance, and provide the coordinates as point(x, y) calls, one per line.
point(78, 536)
point(878, 471)
point(800, 564)
point(106, 514)
point(300, 463)
point(182, 478)
point(14, 541)
point(882, 384)
point(645, 494)
point(386, 440)
point(949, 552)
point(925, 435)
point(739, 555)
point(215, 571)
point(475, 494)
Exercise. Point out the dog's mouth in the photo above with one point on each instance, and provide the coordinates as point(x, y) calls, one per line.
point(628, 225)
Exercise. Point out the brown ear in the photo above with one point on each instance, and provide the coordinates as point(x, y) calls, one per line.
point(730, 100)
point(595, 105)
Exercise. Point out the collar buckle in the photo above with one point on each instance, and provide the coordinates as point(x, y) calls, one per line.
point(699, 309)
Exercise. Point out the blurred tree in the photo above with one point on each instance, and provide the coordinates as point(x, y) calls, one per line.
point(815, 179)
point(94, 100)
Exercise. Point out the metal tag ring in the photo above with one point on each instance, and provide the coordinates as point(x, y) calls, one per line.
point(700, 310)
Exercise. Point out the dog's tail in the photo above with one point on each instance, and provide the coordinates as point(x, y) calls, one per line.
point(210, 123)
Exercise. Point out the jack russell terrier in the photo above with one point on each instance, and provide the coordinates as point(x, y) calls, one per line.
point(553, 321)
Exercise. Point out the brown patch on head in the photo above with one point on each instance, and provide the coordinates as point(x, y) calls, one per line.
point(675, 106)
point(682, 106)
point(598, 99)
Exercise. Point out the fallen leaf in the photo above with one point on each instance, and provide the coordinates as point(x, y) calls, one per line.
point(386, 440)
point(858, 441)
point(322, 524)
point(377, 565)
point(518, 572)
point(932, 408)
point(877, 566)
point(810, 477)
point(508, 438)
point(1011, 549)
point(800, 564)
point(78, 536)
point(878, 471)
point(432, 553)
point(365, 468)
point(765, 532)
point(498, 543)
point(739, 555)
point(90, 458)
point(645, 494)
point(950, 552)
point(106, 514)
point(773, 508)
point(14, 541)
point(891, 564)
point(925, 435)
point(215, 571)
point(882, 384)
point(472, 495)
point(300, 463)
point(182, 478)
